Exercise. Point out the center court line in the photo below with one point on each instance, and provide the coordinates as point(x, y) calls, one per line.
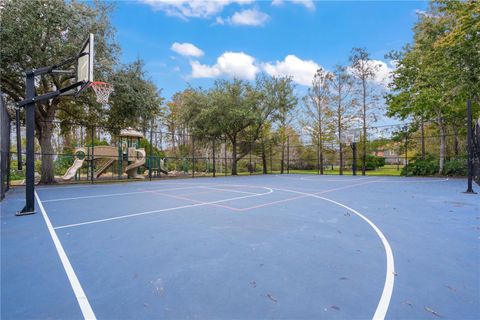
point(193, 200)
point(72, 277)
point(270, 190)
point(386, 296)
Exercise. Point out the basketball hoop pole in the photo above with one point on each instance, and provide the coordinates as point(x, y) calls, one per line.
point(30, 133)
point(470, 149)
point(29, 105)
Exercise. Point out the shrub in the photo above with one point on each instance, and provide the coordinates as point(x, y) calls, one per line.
point(455, 167)
point(371, 162)
point(418, 167)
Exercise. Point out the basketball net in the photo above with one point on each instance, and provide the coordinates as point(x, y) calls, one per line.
point(102, 91)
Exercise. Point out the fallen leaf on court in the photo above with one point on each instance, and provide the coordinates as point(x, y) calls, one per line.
point(335, 308)
point(343, 278)
point(271, 297)
point(451, 288)
point(433, 312)
point(253, 284)
point(394, 273)
point(408, 303)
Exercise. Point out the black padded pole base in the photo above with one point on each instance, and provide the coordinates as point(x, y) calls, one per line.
point(25, 211)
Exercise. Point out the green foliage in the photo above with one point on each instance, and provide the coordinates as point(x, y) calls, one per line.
point(97, 142)
point(62, 163)
point(155, 151)
point(136, 101)
point(372, 162)
point(418, 167)
point(455, 167)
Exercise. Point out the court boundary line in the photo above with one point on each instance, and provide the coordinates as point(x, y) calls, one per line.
point(118, 194)
point(82, 299)
point(270, 190)
point(386, 296)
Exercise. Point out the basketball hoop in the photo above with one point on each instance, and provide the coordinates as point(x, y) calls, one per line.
point(102, 90)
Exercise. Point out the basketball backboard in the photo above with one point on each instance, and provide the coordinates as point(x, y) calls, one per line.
point(351, 135)
point(85, 63)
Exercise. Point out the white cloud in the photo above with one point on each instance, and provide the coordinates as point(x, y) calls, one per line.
point(249, 17)
point(186, 49)
point(383, 71)
point(306, 3)
point(192, 8)
point(231, 64)
point(302, 71)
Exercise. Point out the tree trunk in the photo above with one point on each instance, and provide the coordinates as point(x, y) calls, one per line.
point(68, 141)
point(441, 127)
point(44, 135)
point(234, 156)
point(455, 141)
point(340, 147)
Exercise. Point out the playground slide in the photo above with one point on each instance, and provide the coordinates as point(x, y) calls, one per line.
point(162, 167)
point(131, 169)
point(77, 164)
point(104, 167)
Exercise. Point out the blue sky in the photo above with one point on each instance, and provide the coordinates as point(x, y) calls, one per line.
point(192, 42)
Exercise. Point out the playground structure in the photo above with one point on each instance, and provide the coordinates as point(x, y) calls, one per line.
point(127, 155)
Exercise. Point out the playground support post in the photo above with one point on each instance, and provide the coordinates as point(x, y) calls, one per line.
point(30, 150)
point(470, 149)
point(225, 154)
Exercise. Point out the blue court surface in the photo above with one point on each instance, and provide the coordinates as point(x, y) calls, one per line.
point(252, 247)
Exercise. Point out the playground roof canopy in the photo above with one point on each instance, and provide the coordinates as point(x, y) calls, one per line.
point(130, 132)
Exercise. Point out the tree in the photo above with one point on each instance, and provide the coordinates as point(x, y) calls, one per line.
point(236, 109)
point(136, 102)
point(279, 95)
point(341, 87)
point(439, 70)
point(41, 33)
point(317, 108)
point(363, 70)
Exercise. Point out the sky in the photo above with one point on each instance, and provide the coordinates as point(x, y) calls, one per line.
point(195, 42)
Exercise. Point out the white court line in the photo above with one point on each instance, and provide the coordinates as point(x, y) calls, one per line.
point(118, 194)
point(164, 210)
point(384, 302)
point(72, 277)
point(228, 190)
point(336, 180)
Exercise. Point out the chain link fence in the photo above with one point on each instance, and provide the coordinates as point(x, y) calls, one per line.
point(5, 130)
point(91, 153)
